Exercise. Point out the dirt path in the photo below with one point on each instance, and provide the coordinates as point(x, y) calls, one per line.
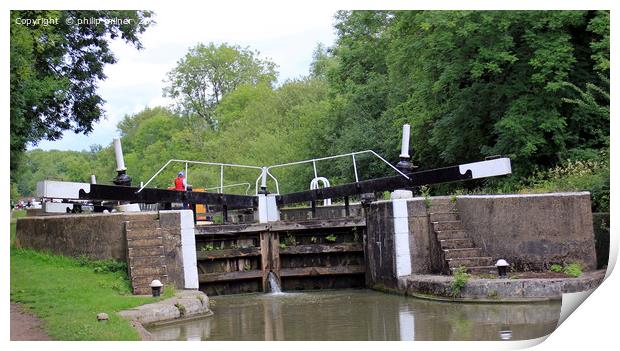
point(25, 326)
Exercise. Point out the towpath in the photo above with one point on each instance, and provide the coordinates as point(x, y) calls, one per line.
point(25, 326)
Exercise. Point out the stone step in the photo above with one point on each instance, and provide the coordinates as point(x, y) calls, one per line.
point(462, 253)
point(143, 233)
point(456, 244)
point(142, 224)
point(448, 225)
point(470, 262)
point(444, 216)
point(134, 243)
point(442, 207)
point(155, 270)
point(148, 261)
point(147, 279)
point(478, 270)
point(451, 234)
point(146, 251)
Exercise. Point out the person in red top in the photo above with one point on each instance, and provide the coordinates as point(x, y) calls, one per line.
point(180, 183)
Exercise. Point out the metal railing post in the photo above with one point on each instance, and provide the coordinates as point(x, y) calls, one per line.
point(221, 179)
point(355, 168)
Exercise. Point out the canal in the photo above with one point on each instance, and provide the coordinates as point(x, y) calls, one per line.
point(361, 315)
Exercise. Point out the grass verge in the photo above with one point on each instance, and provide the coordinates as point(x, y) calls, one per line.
point(67, 294)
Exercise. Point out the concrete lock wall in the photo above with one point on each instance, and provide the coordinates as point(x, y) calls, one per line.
point(104, 236)
point(531, 231)
point(385, 230)
point(97, 236)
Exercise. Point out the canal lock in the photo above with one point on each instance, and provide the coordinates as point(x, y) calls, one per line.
point(300, 255)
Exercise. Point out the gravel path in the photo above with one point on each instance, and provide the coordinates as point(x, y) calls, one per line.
point(25, 326)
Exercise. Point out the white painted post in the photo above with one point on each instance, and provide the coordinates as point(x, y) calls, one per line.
point(93, 179)
point(188, 249)
point(118, 151)
point(267, 208)
point(401, 237)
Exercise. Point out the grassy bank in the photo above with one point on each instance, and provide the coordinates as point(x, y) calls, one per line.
point(67, 294)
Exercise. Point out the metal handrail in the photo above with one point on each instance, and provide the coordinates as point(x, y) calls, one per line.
point(352, 154)
point(230, 186)
point(221, 165)
point(265, 170)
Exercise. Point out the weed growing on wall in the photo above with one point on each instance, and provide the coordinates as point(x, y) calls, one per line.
point(555, 268)
point(573, 270)
point(426, 193)
point(459, 279)
point(208, 247)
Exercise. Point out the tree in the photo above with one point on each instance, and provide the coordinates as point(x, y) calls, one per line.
point(208, 72)
point(471, 83)
point(322, 61)
point(56, 64)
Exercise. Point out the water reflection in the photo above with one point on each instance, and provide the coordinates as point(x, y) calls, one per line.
point(362, 315)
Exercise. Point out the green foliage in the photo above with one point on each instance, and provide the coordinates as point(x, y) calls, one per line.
point(331, 238)
point(56, 68)
point(555, 268)
point(471, 83)
point(426, 193)
point(573, 270)
point(459, 279)
point(208, 247)
point(181, 308)
point(102, 266)
point(289, 240)
point(589, 175)
point(453, 199)
point(208, 72)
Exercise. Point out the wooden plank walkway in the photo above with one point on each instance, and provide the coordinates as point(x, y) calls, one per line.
point(240, 229)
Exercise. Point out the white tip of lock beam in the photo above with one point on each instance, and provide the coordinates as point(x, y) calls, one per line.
point(489, 168)
point(404, 148)
point(118, 151)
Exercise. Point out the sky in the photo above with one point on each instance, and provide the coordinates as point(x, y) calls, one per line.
point(136, 80)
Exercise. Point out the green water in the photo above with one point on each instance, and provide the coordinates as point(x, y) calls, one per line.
point(361, 315)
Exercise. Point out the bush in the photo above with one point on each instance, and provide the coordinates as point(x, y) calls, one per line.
point(576, 175)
